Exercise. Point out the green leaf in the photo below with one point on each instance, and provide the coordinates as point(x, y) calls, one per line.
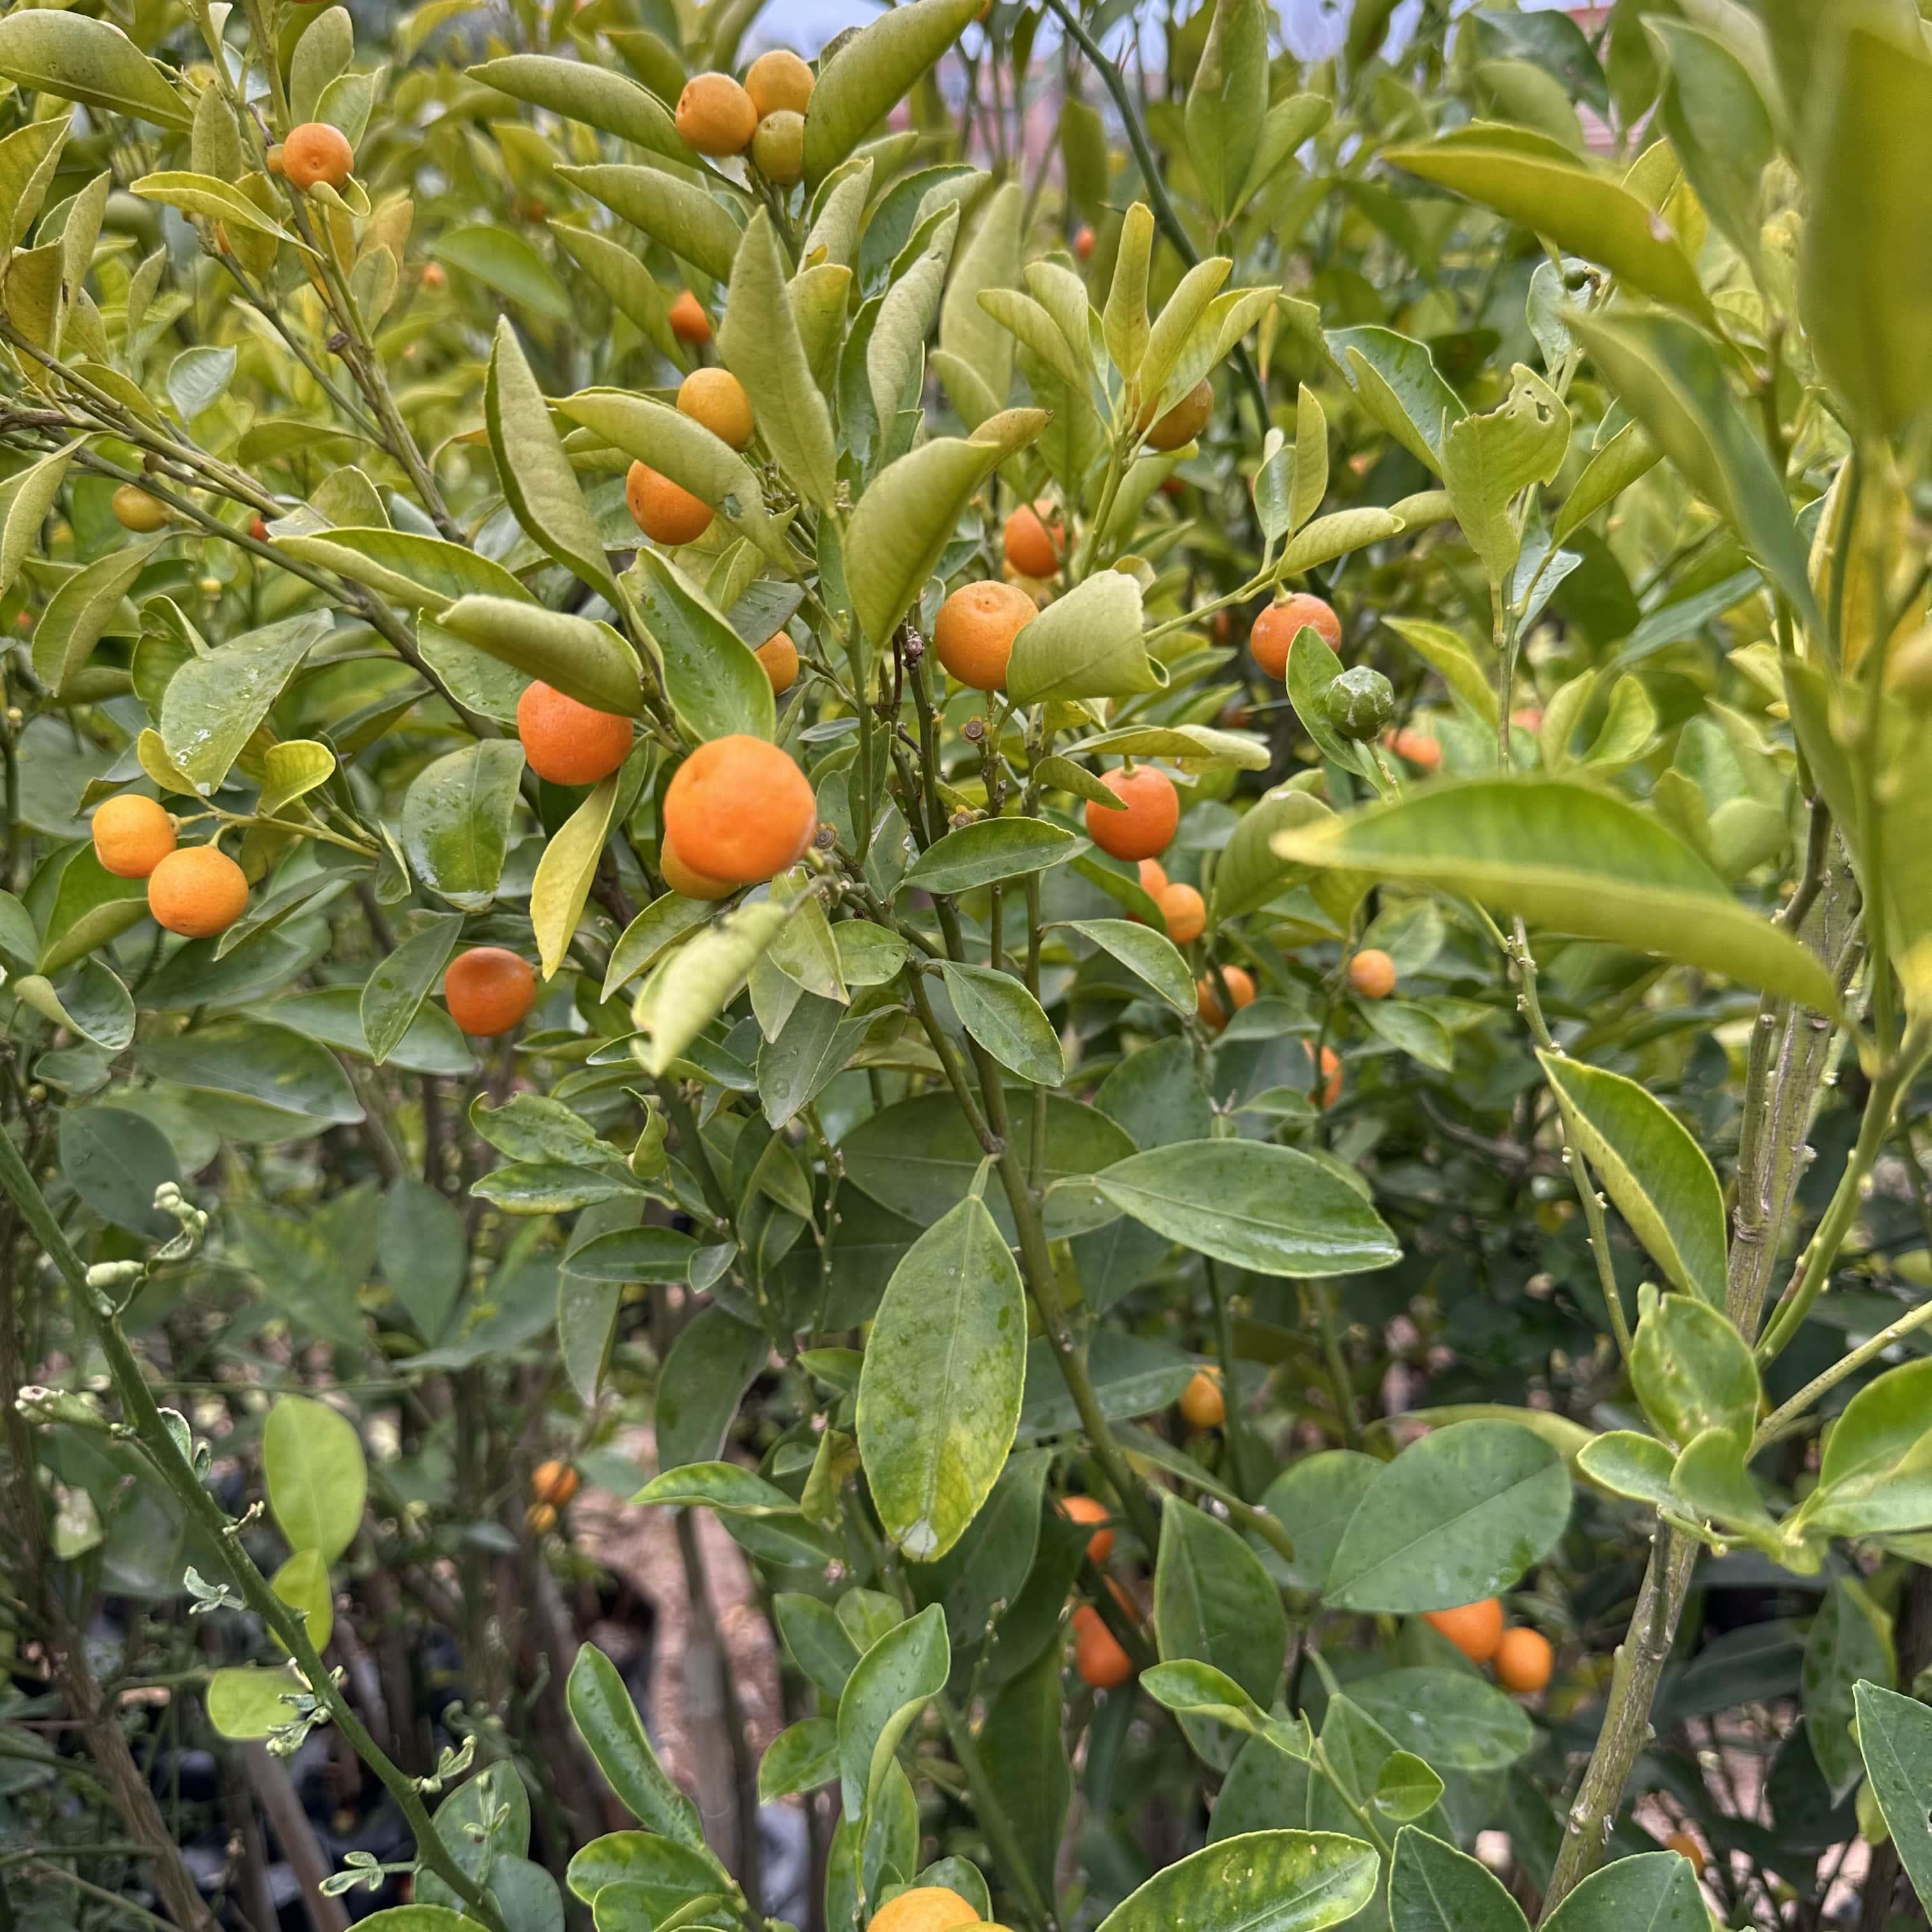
point(989, 259)
point(1124, 324)
point(45, 51)
point(606, 1717)
point(648, 937)
point(423, 1249)
point(997, 1009)
point(871, 73)
point(580, 91)
point(659, 1874)
point(501, 259)
point(988, 850)
point(1204, 744)
point(1451, 1718)
point(1661, 1179)
point(27, 496)
point(1849, 1642)
point(1895, 1741)
point(1226, 99)
point(1260, 1882)
point(115, 1160)
point(213, 200)
point(1670, 378)
point(888, 1686)
point(1434, 1888)
point(1613, 468)
point(1567, 855)
point(1251, 1204)
point(1086, 644)
point(1460, 1514)
point(1152, 956)
point(802, 1757)
point(1396, 380)
point(1875, 1476)
point(1489, 460)
point(456, 820)
point(78, 614)
point(1405, 1787)
point(939, 1395)
point(586, 661)
point(1629, 1465)
point(1692, 1370)
point(1191, 1689)
point(702, 977)
point(1537, 184)
point(685, 219)
point(290, 770)
point(270, 1065)
point(562, 886)
point(313, 1463)
point(1317, 1494)
point(724, 1486)
point(399, 985)
point(714, 1360)
point(302, 1583)
point(1720, 126)
point(715, 684)
point(250, 1701)
point(29, 158)
point(1657, 1891)
point(816, 1642)
point(1022, 1745)
point(213, 705)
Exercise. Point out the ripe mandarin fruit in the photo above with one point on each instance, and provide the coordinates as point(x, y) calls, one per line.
point(567, 743)
point(315, 152)
point(554, 1483)
point(779, 656)
point(1186, 421)
point(1083, 243)
point(1185, 911)
point(1686, 1846)
point(683, 880)
point(197, 891)
point(716, 398)
point(1331, 1076)
point(1416, 747)
point(778, 149)
point(1202, 1404)
point(924, 1908)
point(132, 835)
point(134, 509)
point(1097, 1653)
point(739, 809)
point(715, 115)
point(1207, 996)
point(488, 990)
point(1146, 829)
point(688, 320)
point(1276, 627)
point(974, 632)
point(1474, 1629)
point(779, 83)
point(665, 512)
point(1034, 546)
point(1153, 879)
point(1521, 1660)
point(1371, 974)
point(259, 530)
point(1091, 1509)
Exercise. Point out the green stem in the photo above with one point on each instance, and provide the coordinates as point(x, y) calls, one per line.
point(991, 1814)
point(1773, 1425)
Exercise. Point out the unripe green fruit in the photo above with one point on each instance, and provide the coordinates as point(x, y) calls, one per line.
point(777, 147)
point(1360, 702)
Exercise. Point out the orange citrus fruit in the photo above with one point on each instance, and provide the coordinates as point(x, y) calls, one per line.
point(1146, 829)
point(1207, 998)
point(688, 320)
point(554, 1483)
point(1034, 546)
point(1186, 421)
point(739, 809)
point(974, 632)
point(1091, 1509)
point(1277, 627)
point(779, 83)
point(779, 656)
point(1474, 1629)
point(716, 398)
point(197, 891)
point(567, 743)
point(715, 115)
point(1416, 747)
point(1154, 878)
point(1185, 911)
point(1686, 1846)
point(1202, 1404)
point(488, 990)
point(134, 509)
point(665, 512)
point(923, 1908)
point(1331, 1076)
point(1371, 974)
point(132, 835)
point(683, 880)
point(1083, 243)
point(315, 152)
point(1521, 1660)
point(1098, 1655)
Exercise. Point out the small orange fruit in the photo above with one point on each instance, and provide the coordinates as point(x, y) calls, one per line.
point(197, 891)
point(1146, 829)
point(1091, 1509)
point(1185, 911)
point(974, 632)
point(1097, 1653)
point(259, 530)
point(1034, 546)
point(1202, 1404)
point(1154, 878)
point(1186, 421)
point(488, 989)
point(554, 1483)
point(1474, 1629)
point(1207, 998)
point(1331, 1076)
point(435, 276)
point(132, 835)
point(1416, 747)
point(779, 656)
point(778, 149)
point(1277, 627)
point(540, 1519)
point(923, 1908)
point(568, 742)
point(688, 322)
point(1371, 974)
point(716, 398)
point(271, 158)
point(1083, 243)
point(683, 881)
point(739, 809)
point(715, 115)
point(315, 152)
point(779, 83)
point(1686, 1846)
point(134, 509)
point(665, 512)
point(1521, 1660)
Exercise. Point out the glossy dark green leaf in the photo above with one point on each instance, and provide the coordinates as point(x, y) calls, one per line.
point(802, 1757)
point(424, 1250)
point(1451, 1718)
point(1023, 1746)
point(1657, 1890)
point(270, 1065)
point(114, 1160)
point(710, 1366)
point(1434, 1888)
point(456, 820)
point(888, 1686)
point(1260, 1882)
point(997, 1009)
point(398, 986)
point(988, 850)
point(1895, 1741)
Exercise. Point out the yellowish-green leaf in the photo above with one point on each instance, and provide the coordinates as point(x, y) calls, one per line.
point(565, 872)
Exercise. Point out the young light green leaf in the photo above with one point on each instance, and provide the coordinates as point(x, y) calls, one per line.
point(586, 661)
point(1692, 1370)
point(1086, 644)
point(46, 51)
point(1226, 101)
point(669, 210)
point(564, 873)
point(1488, 460)
point(871, 73)
point(578, 90)
point(715, 684)
point(317, 1477)
point(888, 1686)
point(702, 977)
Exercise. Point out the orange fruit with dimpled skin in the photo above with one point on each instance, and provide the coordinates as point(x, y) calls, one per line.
point(1091, 1509)
point(1371, 974)
point(688, 320)
point(197, 891)
point(1097, 1653)
point(133, 834)
point(715, 115)
point(1185, 911)
point(1521, 1660)
point(685, 880)
point(1186, 421)
point(568, 742)
point(779, 656)
point(1202, 1404)
point(1276, 627)
point(1474, 1629)
point(134, 509)
point(665, 512)
point(739, 809)
point(923, 1908)
point(716, 398)
point(315, 152)
point(1146, 829)
point(1033, 545)
point(488, 989)
point(974, 632)
point(1207, 997)
point(779, 82)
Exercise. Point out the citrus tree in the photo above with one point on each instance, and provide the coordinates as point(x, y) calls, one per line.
point(1170, 889)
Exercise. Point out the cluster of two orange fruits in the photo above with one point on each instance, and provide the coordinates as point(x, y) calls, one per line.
point(1520, 1656)
point(197, 891)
